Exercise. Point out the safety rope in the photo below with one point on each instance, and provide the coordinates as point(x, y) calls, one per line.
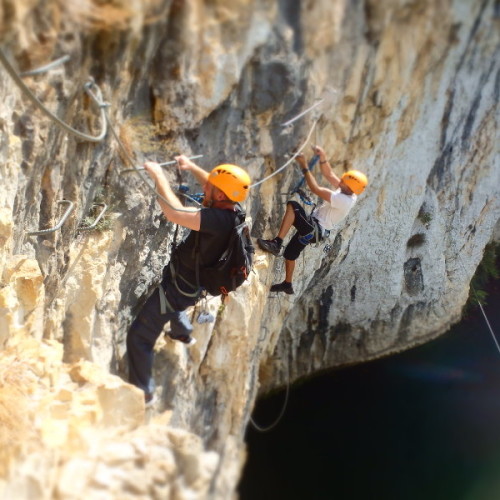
point(487, 323)
point(97, 100)
point(459, 259)
point(281, 413)
point(476, 296)
point(290, 160)
point(300, 115)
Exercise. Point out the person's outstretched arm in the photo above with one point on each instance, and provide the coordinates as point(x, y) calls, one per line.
point(326, 168)
point(174, 210)
point(323, 192)
point(184, 163)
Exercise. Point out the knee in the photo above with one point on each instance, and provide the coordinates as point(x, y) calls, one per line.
point(180, 324)
point(142, 332)
point(292, 252)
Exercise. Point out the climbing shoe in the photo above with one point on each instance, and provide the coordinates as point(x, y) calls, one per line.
point(150, 400)
point(271, 246)
point(283, 287)
point(185, 339)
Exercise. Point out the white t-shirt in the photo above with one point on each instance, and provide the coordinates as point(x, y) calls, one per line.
point(329, 214)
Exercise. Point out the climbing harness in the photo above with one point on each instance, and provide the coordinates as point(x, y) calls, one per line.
point(197, 290)
point(184, 188)
point(297, 189)
point(318, 233)
point(306, 238)
point(196, 198)
point(88, 89)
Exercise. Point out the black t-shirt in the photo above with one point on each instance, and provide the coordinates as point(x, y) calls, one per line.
point(215, 229)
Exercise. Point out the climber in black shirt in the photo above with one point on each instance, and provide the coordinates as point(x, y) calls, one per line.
point(223, 188)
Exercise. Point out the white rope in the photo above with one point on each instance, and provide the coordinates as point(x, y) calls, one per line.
point(486, 320)
point(282, 411)
point(480, 307)
point(300, 115)
point(290, 160)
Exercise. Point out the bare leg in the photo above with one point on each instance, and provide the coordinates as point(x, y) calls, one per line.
point(287, 222)
point(289, 269)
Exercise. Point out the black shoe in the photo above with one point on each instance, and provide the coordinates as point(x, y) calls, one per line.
point(270, 246)
point(150, 400)
point(283, 287)
point(185, 339)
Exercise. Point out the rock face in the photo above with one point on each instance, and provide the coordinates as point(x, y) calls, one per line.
point(407, 92)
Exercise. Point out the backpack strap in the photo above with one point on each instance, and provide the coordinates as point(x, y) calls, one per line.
point(164, 303)
point(176, 277)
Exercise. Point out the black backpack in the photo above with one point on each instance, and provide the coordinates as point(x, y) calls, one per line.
point(235, 263)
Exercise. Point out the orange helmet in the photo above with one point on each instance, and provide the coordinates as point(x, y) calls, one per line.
point(232, 180)
point(355, 180)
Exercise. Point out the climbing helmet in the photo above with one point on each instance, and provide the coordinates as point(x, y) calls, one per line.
point(355, 180)
point(232, 180)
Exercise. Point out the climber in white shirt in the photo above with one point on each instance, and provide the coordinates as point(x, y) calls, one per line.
point(315, 227)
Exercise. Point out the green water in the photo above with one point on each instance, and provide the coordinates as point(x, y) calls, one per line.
point(421, 425)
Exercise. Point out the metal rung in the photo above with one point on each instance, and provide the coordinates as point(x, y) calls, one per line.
point(47, 67)
point(97, 219)
point(172, 162)
point(70, 208)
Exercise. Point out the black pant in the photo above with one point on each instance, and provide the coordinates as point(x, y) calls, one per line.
point(148, 326)
point(305, 226)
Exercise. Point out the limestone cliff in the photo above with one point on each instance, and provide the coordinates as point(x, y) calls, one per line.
point(405, 91)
